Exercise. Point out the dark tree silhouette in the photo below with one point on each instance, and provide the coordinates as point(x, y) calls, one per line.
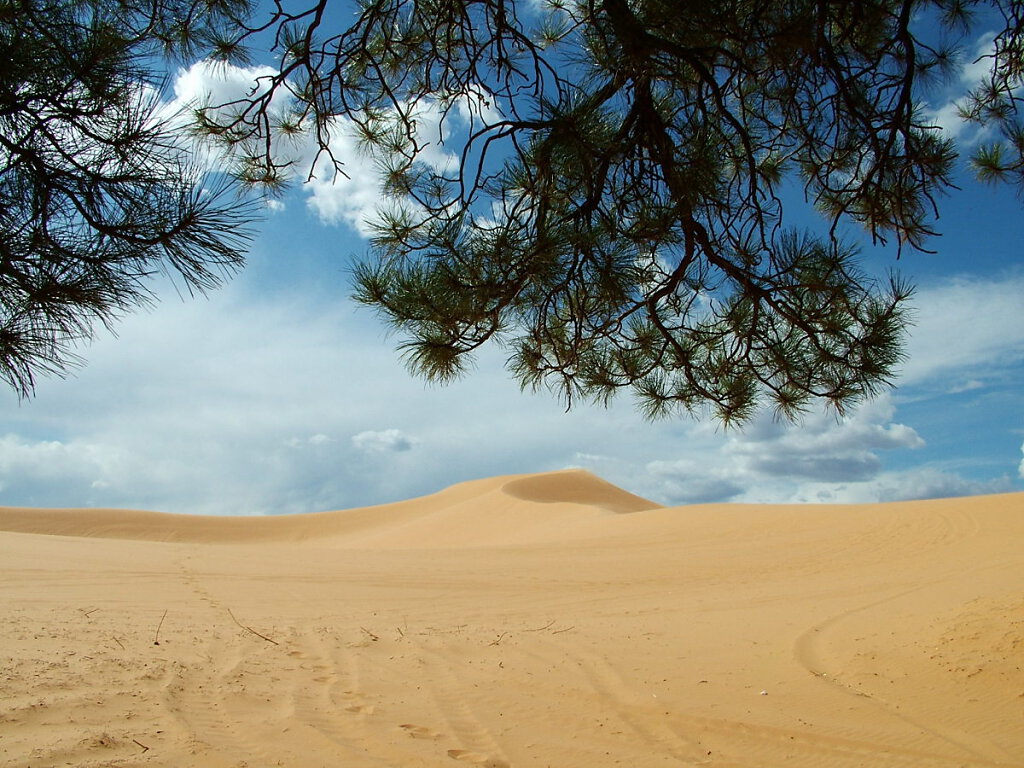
point(96, 191)
point(613, 215)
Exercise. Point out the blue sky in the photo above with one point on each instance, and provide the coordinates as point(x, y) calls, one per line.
point(276, 394)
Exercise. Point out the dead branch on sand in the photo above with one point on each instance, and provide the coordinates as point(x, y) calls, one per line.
point(250, 629)
point(156, 637)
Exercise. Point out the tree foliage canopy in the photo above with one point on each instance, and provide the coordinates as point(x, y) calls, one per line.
point(96, 191)
point(613, 211)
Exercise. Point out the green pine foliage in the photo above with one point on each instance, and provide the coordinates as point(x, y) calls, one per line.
point(614, 214)
point(615, 220)
point(96, 193)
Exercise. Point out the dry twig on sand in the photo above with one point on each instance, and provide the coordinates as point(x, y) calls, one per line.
point(156, 637)
point(250, 629)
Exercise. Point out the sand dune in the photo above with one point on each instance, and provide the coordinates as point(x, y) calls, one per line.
point(480, 506)
point(546, 620)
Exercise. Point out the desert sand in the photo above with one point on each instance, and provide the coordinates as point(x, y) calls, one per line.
point(544, 620)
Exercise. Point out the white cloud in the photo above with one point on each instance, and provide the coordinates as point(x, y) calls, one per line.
point(353, 197)
point(206, 85)
point(689, 481)
point(824, 446)
point(976, 66)
point(42, 471)
point(918, 483)
point(383, 441)
point(237, 405)
point(217, 86)
point(774, 461)
point(334, 197)
point(947, 117)
point(477, 106)
point(964, 327)
point(966, 386)
point(1020, 469)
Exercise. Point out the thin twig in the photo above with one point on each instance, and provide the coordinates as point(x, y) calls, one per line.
point(144, 747)
point(118, 642)
point(372, 636)
point(250, 629)
point(560, 631)
point(88, 613)
point(498, 639)
point(156, 638)
point(541, 629)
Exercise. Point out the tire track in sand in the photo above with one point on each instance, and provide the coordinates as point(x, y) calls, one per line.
point(633, 708)
point(327, 698)
point(810, 651)
point(453, 697)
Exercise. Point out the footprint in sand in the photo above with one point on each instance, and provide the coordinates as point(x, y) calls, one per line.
point(419, 732)
point(477, 759)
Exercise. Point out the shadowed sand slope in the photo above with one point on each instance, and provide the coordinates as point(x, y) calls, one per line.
point(577, 487)
point(517, 621)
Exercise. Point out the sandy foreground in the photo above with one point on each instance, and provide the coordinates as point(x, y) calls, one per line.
point(543, 620)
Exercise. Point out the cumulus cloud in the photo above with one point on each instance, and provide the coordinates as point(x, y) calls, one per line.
point(688, 481)
point(383, 441)
point(56, 473)
point(830, 459)
point(806, 478)
point(353, 197)
point(206, 84)
point(776, 461)
point(350, 198)
point(855, 466)
point(975, 67)
point(824, 446)
point(923, 482)
point(196, 408)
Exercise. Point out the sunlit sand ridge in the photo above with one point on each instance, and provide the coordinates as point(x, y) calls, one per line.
point(547, 620)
